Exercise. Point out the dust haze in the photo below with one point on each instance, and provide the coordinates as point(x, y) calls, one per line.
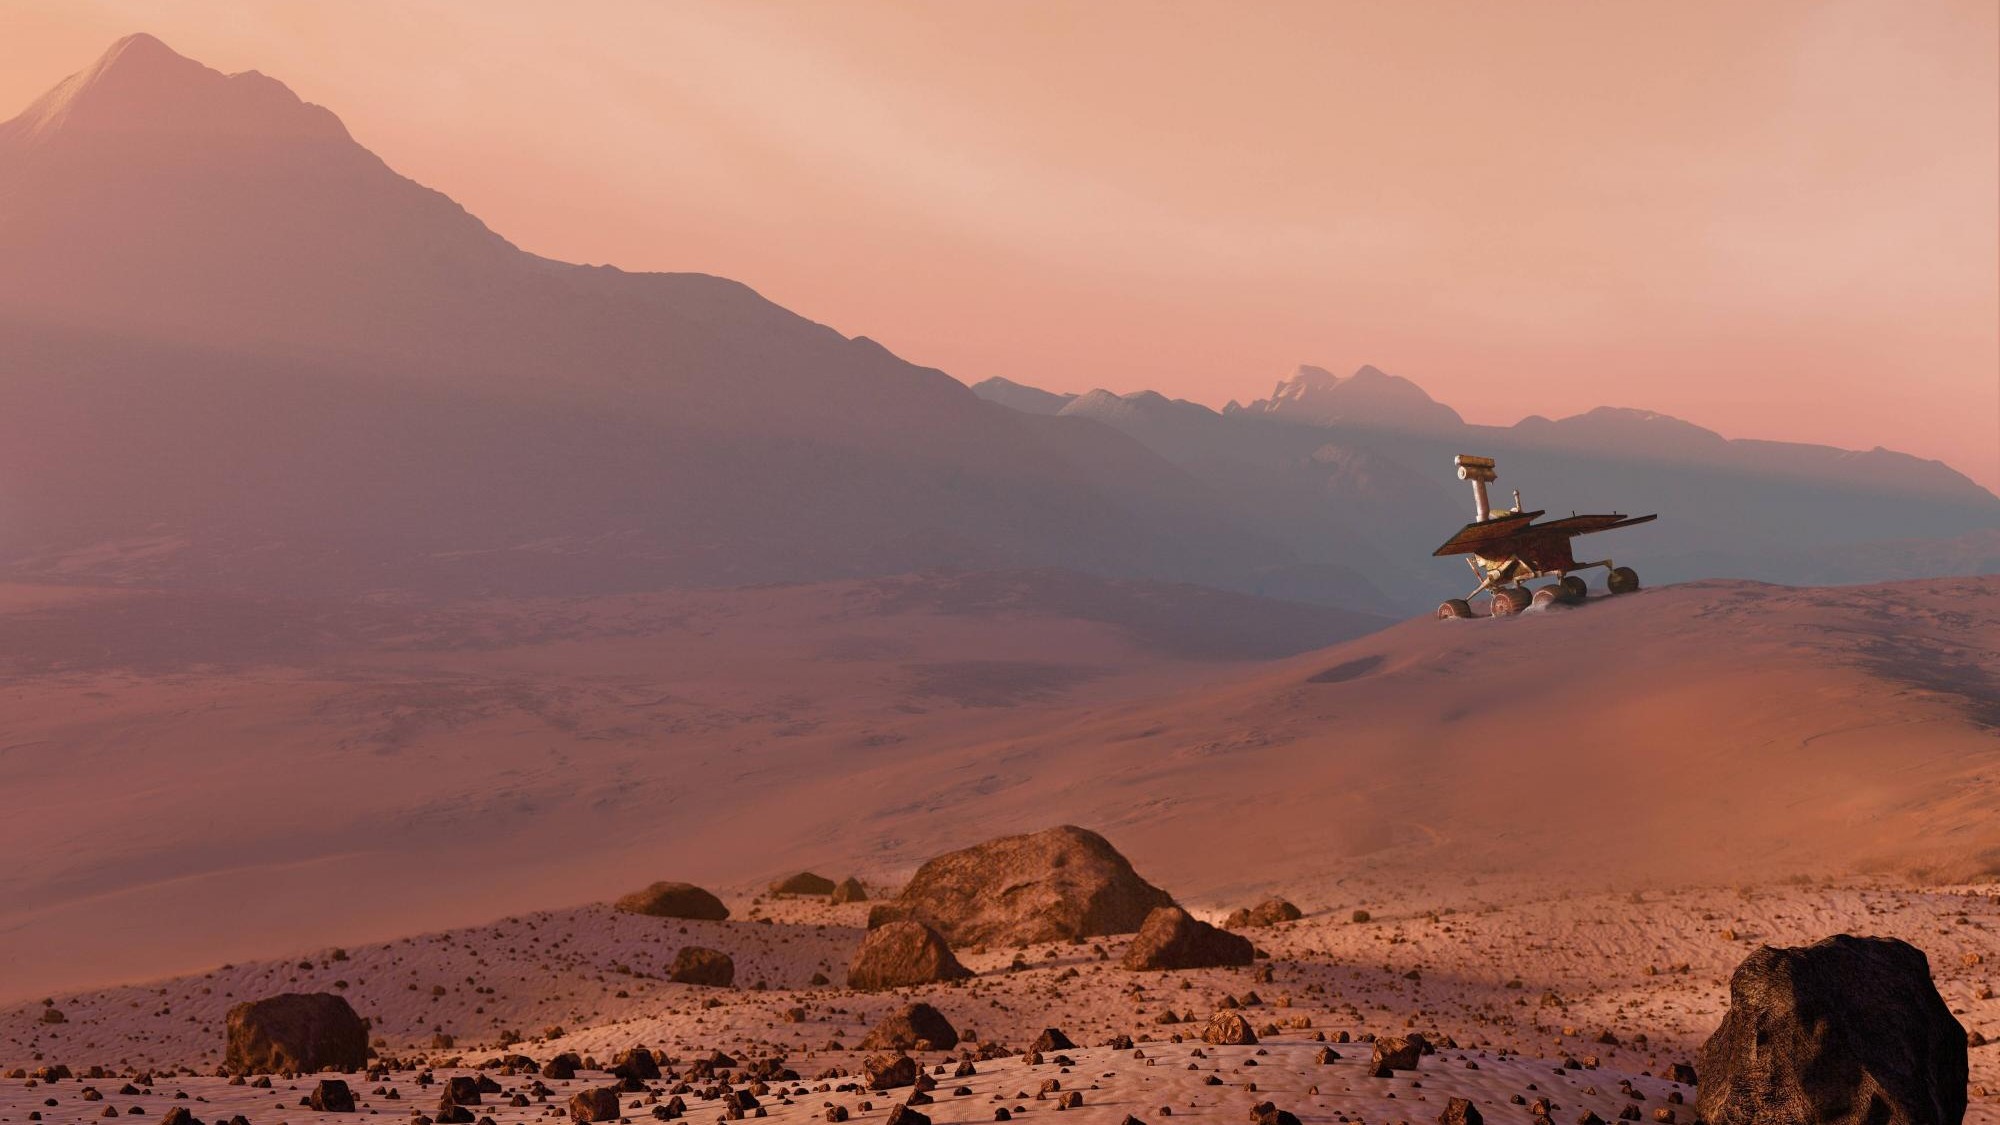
point(500, 668)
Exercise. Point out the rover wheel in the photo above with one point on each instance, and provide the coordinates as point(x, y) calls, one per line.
point(1574, 589)
point(1455, 607)
point(1548, 596)
point(1623, 580)
point(1509, 601)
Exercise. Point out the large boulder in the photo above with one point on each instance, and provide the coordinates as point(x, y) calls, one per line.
point(331, 1096)
point(1051, 1039)
point(461, 1089)
point(1461, 1111)
point(1171, 938)
point(849, 890)
point(1846, 1031)
point(563, 1067)
point(1270, 912)
point(1053, 885)
point(903, 953)
point(1228, 1029)
point(1396, 1052)
point(696, 965)
point(889, 1072)
point(598, 1104)
point(804, 883)
point(636, 1062)
point(910, 1027)
point(296, 1031)
point(1267, 1113)
point(674, 900)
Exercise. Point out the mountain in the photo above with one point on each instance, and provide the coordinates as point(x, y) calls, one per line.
point(1369, 397)
point(1018, 396)
point(1359, 470)
point(1148, 415)
point(240, 351)
point(1623, 430)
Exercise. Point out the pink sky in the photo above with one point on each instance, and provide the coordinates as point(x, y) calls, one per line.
point(1775, 219)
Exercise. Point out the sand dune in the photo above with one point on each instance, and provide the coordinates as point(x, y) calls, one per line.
point(1714, 730)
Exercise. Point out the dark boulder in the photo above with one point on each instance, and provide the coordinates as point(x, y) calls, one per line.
point(1052, 885)
point(1171, 938)
point(910, 1027)
point(1396, 1052)
point(462, 1089)
point(1460, 1111)
point(674, 900)
point(1051, 1039)
point(696, 965)
point(887, 1072)
point(849, 890)
point(804, 883)
point(1267, 1113)
point(600, 1104)
point(563, 1067)
point(1270, 912)
point(636, 1062)
point(899, 954)
point(1844, 1032)
point(331, 1095)
point(296, 1031)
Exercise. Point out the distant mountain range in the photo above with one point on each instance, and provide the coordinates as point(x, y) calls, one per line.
point(1360, 468)
point(239, 351)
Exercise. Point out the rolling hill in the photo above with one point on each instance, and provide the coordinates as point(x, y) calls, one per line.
point(529, 753)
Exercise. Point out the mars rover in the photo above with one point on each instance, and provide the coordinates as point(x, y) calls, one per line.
point(1508, 548)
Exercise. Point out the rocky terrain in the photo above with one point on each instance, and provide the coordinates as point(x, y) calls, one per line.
point(1545, 993)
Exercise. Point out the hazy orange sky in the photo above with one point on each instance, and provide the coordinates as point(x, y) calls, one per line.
point(1775, 219)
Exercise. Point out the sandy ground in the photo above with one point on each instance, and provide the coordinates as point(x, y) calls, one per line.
point(1520, 978)
point(1146, 1083)
point(275, 759)
point(540, 754)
